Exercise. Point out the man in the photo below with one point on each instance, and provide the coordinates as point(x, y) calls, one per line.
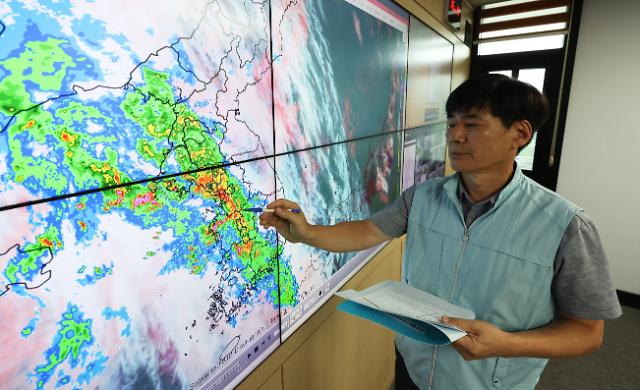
point(529, 263)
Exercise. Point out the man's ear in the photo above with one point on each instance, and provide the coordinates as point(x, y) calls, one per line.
point(522, 133)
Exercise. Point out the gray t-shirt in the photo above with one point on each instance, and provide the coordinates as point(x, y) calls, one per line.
point(582, 285)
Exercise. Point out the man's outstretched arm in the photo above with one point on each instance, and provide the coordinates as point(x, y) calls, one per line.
point(341, 237)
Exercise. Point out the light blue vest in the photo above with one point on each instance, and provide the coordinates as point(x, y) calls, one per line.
point(501, 267)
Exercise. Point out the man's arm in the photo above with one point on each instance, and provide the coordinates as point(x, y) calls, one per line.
point(563, 337)
point(346, 236)
point(341, 237)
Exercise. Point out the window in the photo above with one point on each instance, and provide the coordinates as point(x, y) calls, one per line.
point(520, 45)
point(508, 72)
point(519, 26)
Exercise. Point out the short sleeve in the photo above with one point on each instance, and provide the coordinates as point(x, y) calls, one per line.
point(392, 220)
point(582, 285)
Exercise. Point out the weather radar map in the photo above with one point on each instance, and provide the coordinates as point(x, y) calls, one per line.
point(148, 282)
point(134, 136)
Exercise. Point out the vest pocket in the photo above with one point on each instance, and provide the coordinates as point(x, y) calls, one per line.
point(424, 265)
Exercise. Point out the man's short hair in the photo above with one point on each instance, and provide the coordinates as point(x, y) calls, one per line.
point(507, 99)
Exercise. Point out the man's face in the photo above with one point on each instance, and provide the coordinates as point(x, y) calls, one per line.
point(479, 142)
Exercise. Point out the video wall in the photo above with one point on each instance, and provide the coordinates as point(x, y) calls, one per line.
point(132, 139)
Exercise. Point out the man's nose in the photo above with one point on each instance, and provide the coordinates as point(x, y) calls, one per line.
point(456, 133)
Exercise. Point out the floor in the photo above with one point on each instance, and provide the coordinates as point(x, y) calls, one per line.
point(615, 366)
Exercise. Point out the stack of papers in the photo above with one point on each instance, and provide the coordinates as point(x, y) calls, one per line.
point(406, 310)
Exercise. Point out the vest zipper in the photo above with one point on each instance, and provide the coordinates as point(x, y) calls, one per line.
point(465, 238)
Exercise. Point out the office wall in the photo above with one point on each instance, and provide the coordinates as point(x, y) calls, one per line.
point(600, 164)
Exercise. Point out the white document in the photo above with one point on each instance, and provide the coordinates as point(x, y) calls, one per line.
point(406, 301)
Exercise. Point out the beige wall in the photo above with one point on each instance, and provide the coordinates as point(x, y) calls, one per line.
point(333, 350)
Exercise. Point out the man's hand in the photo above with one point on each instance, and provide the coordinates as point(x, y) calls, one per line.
point(292, 226)
point(565, 336)
point(483, 339)
point(347, 236)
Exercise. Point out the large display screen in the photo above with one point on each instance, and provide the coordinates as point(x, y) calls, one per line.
point(97, 95)
point(346, 181)
point(339, 70)
point(429, 75)
point(132, 139)
point(151, 285)
point(424, 153)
